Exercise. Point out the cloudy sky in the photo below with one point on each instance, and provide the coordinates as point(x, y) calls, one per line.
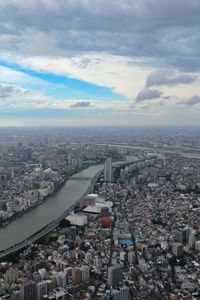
point(99, 62)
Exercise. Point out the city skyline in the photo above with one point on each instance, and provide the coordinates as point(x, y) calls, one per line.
point(99, 214)
point(82, 63)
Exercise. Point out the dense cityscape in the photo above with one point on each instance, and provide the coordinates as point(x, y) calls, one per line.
point(133, 233)
point(99, 150)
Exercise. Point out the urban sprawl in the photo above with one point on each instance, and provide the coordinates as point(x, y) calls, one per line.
point(134, 235)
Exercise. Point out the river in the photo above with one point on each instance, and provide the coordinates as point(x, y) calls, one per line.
point(31, 222)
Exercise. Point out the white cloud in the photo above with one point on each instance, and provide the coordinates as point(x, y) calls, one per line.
point(10, 76)
point(101, 69)
point(115, 44)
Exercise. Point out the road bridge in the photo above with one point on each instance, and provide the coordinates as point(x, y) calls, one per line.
point(81, 178)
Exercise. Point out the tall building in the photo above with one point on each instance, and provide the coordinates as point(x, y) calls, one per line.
point(61, 294)
point(41, 289)
point(85, 273)
point(108, 176)
point(58, 294)
point(61, 279)
point(189, 232)
point(122, 293)
point(197, 245)
point(177, 249)
point(28, 290)
point(191, 241)
point(16, 295)
point(114, 275)
point(11, 276)
point(76, 275)
point(179, 235)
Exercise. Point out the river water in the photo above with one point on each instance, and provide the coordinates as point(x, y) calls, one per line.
point(31, 222)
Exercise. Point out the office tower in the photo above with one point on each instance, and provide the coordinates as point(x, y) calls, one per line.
point(61, 278)
point(11, 276)
point(85, 273)
point(122, 293)
point(179, 236)
point(189, 232)
point(191, 241)
point(130, 257)
point(28, 290)
point(177, 249)
point(107, 296)
point(114, 275)
point(108, 170)
point(76, 275)
point(72, 232)
point(16, 295)
point(122, 256)
point(61, 294)
point(98, 262)
point(88, 257)
point(41, 289)
point(197, 245)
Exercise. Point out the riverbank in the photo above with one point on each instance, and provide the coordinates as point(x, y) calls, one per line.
point(49, 227)
point(19, 215)
point(46, 198)
point(39, 221)
point(186, 152)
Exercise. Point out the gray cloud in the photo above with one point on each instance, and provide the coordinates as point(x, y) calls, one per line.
point(162, 32)
point(7, 90)
point(167, 77)
point(81, 104)
point(148, 94)
point(193, 100)
point(167, 97)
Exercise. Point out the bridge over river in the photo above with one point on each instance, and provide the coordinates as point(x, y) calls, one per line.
point(81, 178)
point(45, 217)
point(42, 219)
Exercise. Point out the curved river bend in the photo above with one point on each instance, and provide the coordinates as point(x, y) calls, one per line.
point(31, 222)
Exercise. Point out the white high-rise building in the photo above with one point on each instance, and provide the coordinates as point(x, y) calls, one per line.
point(108, 170)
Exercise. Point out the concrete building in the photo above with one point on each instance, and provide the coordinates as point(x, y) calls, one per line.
point(41, 289)
point(197, 245)
point(16, 295)
point(191, 241)
point(61, 278)
point(85, 273)
point(11, 276)
point(28, 290)
point(122, 293)
point(108, 170)
point(177, 249)
point(77, 219)
point(114, 275)
point(76, 275)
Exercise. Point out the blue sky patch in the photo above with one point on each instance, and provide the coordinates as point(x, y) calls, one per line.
point(64, 87)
